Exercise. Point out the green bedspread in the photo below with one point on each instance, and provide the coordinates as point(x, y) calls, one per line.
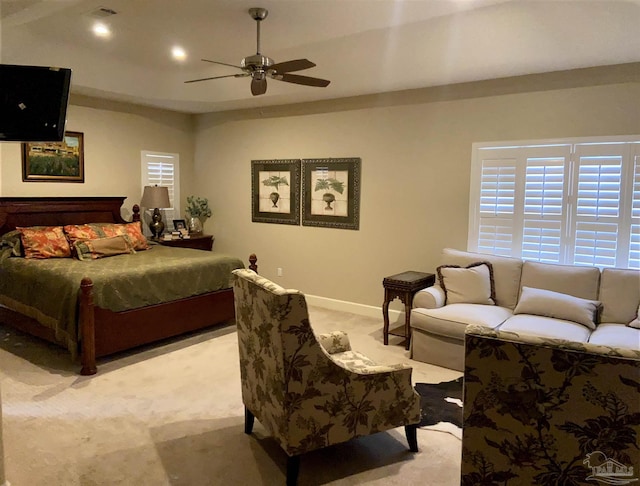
point(48, 290)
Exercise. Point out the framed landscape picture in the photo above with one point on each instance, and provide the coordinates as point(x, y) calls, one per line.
point(54, 161)
point(331, 193)
point(275, 191)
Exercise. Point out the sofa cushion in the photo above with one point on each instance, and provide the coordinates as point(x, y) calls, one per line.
point(616, 335)
point(472, 284)
point(451, 320)
point(546, 327)
point(619, 294)
point(506, 272)
point(547, 303)
point(580, 282)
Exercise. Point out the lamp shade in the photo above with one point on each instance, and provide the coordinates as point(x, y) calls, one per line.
point(155, 197)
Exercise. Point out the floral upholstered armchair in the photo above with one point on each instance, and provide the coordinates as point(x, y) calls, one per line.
point(548, 412)
point(311, 391)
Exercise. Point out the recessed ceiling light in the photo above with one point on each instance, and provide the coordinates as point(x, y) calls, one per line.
point(101, 30)
point(178, 53)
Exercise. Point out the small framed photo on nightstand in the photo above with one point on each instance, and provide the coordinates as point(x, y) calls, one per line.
point(179, 224)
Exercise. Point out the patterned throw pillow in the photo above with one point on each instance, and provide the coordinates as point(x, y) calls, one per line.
point(472, 284)
point(81, 232)
point(132, 230)
point(103, 247)
point(44, 242)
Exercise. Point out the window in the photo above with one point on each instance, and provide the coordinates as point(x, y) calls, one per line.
point(563, 201)
point(162, 169)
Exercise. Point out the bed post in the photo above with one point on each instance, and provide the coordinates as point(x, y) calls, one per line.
point(136, 213)
point(87, 329)
point(252, 262)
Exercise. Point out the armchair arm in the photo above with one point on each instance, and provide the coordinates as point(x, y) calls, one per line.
point(334, 342)
point(429, 298)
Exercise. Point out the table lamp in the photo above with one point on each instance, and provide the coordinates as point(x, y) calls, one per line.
point(155, 197)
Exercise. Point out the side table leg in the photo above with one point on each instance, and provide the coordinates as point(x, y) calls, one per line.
point(407, 319)
point(385, 316)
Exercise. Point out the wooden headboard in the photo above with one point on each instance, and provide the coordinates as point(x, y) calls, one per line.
point(58, 211)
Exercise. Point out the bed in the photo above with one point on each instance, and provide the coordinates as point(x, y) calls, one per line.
point(99, 314)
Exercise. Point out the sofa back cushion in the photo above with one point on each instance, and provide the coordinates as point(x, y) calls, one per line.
point(567, 279)
point(506, 272)
point(619, 294)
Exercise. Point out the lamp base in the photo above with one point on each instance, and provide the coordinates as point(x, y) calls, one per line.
point(156, 225)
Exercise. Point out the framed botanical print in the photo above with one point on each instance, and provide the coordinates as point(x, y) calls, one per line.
point(331, 193)
point(54, 161)
point(275, 191)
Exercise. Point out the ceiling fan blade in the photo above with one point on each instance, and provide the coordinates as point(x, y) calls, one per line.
point(289, 66)
point(306, 80)
point(221, 63)
point(258, 86)
point(218, 77)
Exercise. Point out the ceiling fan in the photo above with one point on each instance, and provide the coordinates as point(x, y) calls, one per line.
point(260, 67)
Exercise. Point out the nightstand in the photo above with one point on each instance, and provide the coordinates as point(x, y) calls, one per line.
point(403, 286)
point(197, 242)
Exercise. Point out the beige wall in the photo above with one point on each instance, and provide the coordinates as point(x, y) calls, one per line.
point(415, 150)
point(415, 176)
point(114, 135)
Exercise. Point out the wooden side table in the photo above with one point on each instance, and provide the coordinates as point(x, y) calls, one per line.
point(200, 242)
point(403, 286)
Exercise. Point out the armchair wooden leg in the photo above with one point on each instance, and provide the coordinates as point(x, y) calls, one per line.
point(412, 436)
point(248, 421)
point(293, 466)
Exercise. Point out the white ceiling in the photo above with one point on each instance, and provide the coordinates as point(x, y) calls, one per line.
point(362, 46)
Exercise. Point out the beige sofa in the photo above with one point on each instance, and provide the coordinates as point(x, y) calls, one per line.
point(530, 298)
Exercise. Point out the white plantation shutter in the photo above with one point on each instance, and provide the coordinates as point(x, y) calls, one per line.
point(544, 208)
point(162, 169)
point(497, 196)
point(597, 210)
point(634, 237)
point(568, 202)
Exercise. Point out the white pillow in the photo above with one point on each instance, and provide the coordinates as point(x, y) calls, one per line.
point(470, 285)
point(636, 322)
point(547, 303)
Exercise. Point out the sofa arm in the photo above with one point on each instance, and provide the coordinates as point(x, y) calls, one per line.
point(429, 298)
point(334, 342)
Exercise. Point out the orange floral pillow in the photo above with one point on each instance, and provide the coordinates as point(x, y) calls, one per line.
point(132, 230)
point(81, 232)
point(44, 242)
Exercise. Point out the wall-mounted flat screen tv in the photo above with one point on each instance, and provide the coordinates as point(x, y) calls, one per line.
point(33, 103)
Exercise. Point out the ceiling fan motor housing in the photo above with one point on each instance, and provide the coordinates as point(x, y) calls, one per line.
point(256, 62)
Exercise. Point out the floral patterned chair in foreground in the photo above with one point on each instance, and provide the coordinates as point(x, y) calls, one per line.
point(548, 412)
point(311, 391)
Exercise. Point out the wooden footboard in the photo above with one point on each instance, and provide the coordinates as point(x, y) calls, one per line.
point(104, 332)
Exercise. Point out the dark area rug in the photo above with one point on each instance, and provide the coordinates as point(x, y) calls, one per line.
point(441, 403)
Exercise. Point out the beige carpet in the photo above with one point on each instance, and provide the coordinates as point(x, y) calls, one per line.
point(172, 414)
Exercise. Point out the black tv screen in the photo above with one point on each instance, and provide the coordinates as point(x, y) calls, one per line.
point(33, 103)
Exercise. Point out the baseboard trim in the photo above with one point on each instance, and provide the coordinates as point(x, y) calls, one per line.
point(354, 308)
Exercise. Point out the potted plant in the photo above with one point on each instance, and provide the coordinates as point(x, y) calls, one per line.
point(198, 210)
point(326, 185)
point(275, 181)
